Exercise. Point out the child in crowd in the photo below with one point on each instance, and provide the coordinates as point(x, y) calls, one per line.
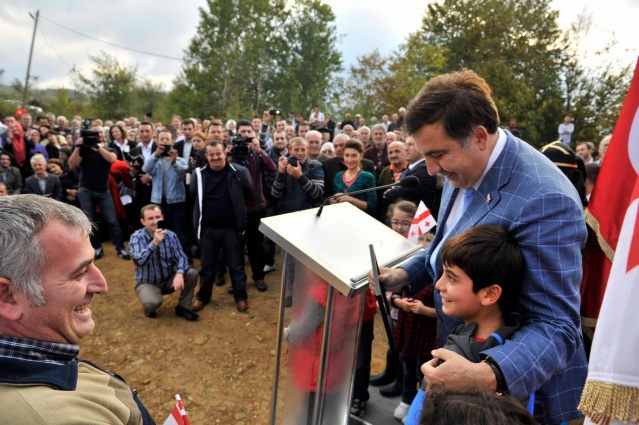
point(476, 408)
point(416, 330)
point(482, 279)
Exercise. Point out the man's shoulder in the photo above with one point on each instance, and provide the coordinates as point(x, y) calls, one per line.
point(139, 234)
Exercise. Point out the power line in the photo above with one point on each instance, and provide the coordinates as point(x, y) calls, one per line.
point(111, 44)
point(53, 48)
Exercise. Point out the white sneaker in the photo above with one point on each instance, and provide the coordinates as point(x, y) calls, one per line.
point(401, 411)
point(268, 268)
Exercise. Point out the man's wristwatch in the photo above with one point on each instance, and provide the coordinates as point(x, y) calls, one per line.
point(502, 387)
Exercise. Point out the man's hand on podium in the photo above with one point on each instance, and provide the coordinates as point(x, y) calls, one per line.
point(393, 279)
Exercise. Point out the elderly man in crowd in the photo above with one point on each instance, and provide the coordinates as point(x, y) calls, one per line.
point(41, 182)
point(48, 280)
point(378, 153)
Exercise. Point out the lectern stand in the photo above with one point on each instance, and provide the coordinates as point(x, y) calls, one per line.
point(324, 280)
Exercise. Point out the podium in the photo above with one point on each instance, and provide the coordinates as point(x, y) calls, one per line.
point(324, 282)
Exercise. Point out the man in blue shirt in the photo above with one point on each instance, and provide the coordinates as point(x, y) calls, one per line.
point(161, 267)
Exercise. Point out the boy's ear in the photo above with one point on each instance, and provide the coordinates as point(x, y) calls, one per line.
point(491, 295)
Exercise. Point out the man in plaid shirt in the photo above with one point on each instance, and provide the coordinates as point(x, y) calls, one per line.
point(161, 267)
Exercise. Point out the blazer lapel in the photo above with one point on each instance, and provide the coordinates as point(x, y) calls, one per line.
point(488, 195)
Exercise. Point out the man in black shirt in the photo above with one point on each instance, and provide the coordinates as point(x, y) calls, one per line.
point(221, 190)
point(93, 189)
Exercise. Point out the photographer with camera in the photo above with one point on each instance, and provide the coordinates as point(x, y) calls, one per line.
point(94, 162)
point(299, 182)
point(247, 151)
point(168, 171)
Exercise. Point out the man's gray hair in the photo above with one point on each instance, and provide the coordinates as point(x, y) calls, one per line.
point(37, 156)
point(379, 127)
point(22, 259)
point(313, 133)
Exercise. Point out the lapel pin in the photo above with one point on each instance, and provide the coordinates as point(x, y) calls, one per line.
point(488, 198)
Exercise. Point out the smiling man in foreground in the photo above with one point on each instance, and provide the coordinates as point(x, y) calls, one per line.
point(47, 282)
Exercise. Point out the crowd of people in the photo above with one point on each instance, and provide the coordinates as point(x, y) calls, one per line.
point(198, 189)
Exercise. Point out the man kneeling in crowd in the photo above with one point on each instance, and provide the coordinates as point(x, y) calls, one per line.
point(161, 266)
point(47, 280)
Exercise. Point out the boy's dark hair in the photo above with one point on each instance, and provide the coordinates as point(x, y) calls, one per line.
point(489, 255)
point(473, 407)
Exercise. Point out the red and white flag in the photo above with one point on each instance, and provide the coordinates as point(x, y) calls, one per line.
point(609, 202)
point(178, 414)
point(422, 223)
point(611, 392)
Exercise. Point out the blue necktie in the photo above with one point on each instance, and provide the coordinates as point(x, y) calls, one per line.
point(466, 197)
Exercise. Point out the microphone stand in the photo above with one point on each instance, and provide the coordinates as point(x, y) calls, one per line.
point(357, 192)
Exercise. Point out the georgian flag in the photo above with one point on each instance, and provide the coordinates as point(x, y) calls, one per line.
point(178, 414)
point(608, 204)
point(422, 223)
point(611, 392)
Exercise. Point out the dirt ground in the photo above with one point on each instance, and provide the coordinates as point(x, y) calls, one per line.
point(222, 365)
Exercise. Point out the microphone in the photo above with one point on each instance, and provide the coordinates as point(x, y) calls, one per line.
point(410, 181)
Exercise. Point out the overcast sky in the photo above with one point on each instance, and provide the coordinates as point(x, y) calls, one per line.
point(165, 27)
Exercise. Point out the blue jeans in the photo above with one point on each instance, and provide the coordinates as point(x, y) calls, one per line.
point(214, 240)
point(89, 199)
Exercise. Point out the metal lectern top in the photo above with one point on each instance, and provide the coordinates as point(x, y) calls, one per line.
point(335, 245)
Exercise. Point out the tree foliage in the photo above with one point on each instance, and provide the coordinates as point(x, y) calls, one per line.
point(592, 95)
point(249, 55)
point(515, 46)
point(110, 86)
point(116, 91)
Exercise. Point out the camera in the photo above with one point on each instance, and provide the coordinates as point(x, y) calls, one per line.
point(293, 161)
point(136, 162)
point(167, 149)
point(241, 146)
point(274, 112)
point(90, 138)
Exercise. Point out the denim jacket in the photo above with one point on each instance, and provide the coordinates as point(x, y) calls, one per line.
point(175, 190)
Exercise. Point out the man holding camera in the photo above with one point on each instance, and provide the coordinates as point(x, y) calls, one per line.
point(94, 162)
point(247, 151)
point(168, 169)
point(299, 182)
point(161, 266)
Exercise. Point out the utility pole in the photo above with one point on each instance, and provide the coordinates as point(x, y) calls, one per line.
point(26, 81)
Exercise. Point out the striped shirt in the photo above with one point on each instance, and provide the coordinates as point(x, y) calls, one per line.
point(41, 351)
point(155, 264)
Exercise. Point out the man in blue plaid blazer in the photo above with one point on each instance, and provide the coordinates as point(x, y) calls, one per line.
point(495, 178)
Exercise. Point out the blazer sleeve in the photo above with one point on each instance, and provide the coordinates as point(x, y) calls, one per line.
point(550, 230)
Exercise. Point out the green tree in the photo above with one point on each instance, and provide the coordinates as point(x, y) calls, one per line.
point(307, 60)
point(593, 95)
point(149, 96)
point(512, 44)
point(412, 66)
point(110, 87)
point(67, 104)
point(248, 55)
point(368, 82)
